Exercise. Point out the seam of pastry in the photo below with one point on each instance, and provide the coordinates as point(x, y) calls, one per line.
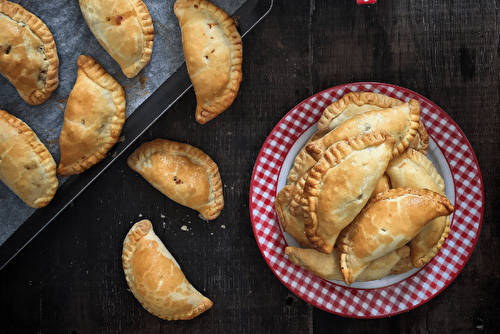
point(39, 28)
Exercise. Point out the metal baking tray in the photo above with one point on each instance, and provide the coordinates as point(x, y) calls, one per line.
point(139, 119)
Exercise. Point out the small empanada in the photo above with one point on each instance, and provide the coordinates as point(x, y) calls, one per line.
point(26, 166)
point(183, 173)
point(124, 29)
point(401, 122)
point(213, 51)
point(93, 120)
point(351, 104)
point(28, 54)
point(413, 169)
point(387, 223)
point(156, 279)
point(327, 266)
point(341, 183)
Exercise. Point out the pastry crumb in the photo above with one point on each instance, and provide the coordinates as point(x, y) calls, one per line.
point(223, 226)
point(184, 228)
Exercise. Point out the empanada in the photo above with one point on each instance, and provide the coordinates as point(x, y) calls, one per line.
point(124, 29)
point(28, 54)
point(351, 104)
point(93, 120)
point(156, 279)
point(387, 223)
point(184, 173)
point(26, 166)
point(413, 169)
point(401, 122)
point(292, 224)
point(421, 140)
point(341, 183)
point(327, 266)
point(213, 51)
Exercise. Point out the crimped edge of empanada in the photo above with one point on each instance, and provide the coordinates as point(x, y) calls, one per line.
point(147, 149)
point(419, 261)
point(149, 34)
point(420, 159)
point(19, 14)
point(98, 75)
point(42, 152)
point(358, 98)
point(138, 231)
point(333, 156)
point(206, 113)
point(421, 140)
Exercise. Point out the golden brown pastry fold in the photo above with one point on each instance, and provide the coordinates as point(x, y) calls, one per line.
point(93, 119)
point(183, 173)
point(387, 222)
point(26, 166)
point(213, 51)
point(156, 279)
point(124, 29)
point(28, 54)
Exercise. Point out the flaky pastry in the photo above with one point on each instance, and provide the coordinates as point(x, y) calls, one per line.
point(124, 29)
point(341, 183)
point(183, 173)
point(26, 166)
point(156, 279)
point(93, 119)
point(213, 51)
point(386, 223)
point(353, 103)
point(28, 54)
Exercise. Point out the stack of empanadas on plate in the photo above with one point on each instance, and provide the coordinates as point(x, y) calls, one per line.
point(362, 199)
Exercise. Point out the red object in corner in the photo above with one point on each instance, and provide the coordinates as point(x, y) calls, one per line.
point(366, 2)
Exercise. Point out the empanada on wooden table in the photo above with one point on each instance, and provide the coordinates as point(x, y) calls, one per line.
point(213, 51)
point(26, 166)
point(124, 29)
point(353, 103)
point(183, 173)
point(156, 279)
point(28, 54)
point(93, 119)
point(386, 223)
point(340, 184)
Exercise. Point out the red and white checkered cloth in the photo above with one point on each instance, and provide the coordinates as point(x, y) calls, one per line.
point(408, 293)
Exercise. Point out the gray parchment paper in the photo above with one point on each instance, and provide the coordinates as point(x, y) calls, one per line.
point(73, 38)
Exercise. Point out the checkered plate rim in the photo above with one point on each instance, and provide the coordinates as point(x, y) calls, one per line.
point(409, 293)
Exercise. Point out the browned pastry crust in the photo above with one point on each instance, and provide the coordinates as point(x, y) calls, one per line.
point(401, 122)
point(340, 184)
point(386, 223)
point(184, 173)
point(213, 51)
point(421, 140)
point(26, 166)
point(124, 29)
point(93, 120)
point(351, 104)
point(28, 54)
point(156, 279)
point(413, 169)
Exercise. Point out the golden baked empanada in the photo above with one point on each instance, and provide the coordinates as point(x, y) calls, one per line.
point(156, 279)
point(26, 166)
point(341, 183)
point(183, 173)
point(93, 120)
point(387, 223)
point(413, 169)
point(351, 104)
point(213, 51)
point(401, 122)
point(124, 29)
point(421, 140)
point(292, 224)
point(28, 54)
point(327, 266)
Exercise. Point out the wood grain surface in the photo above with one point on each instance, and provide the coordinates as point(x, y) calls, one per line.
point(69, 279)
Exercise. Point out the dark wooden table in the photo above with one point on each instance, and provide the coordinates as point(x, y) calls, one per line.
point(69, 279)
